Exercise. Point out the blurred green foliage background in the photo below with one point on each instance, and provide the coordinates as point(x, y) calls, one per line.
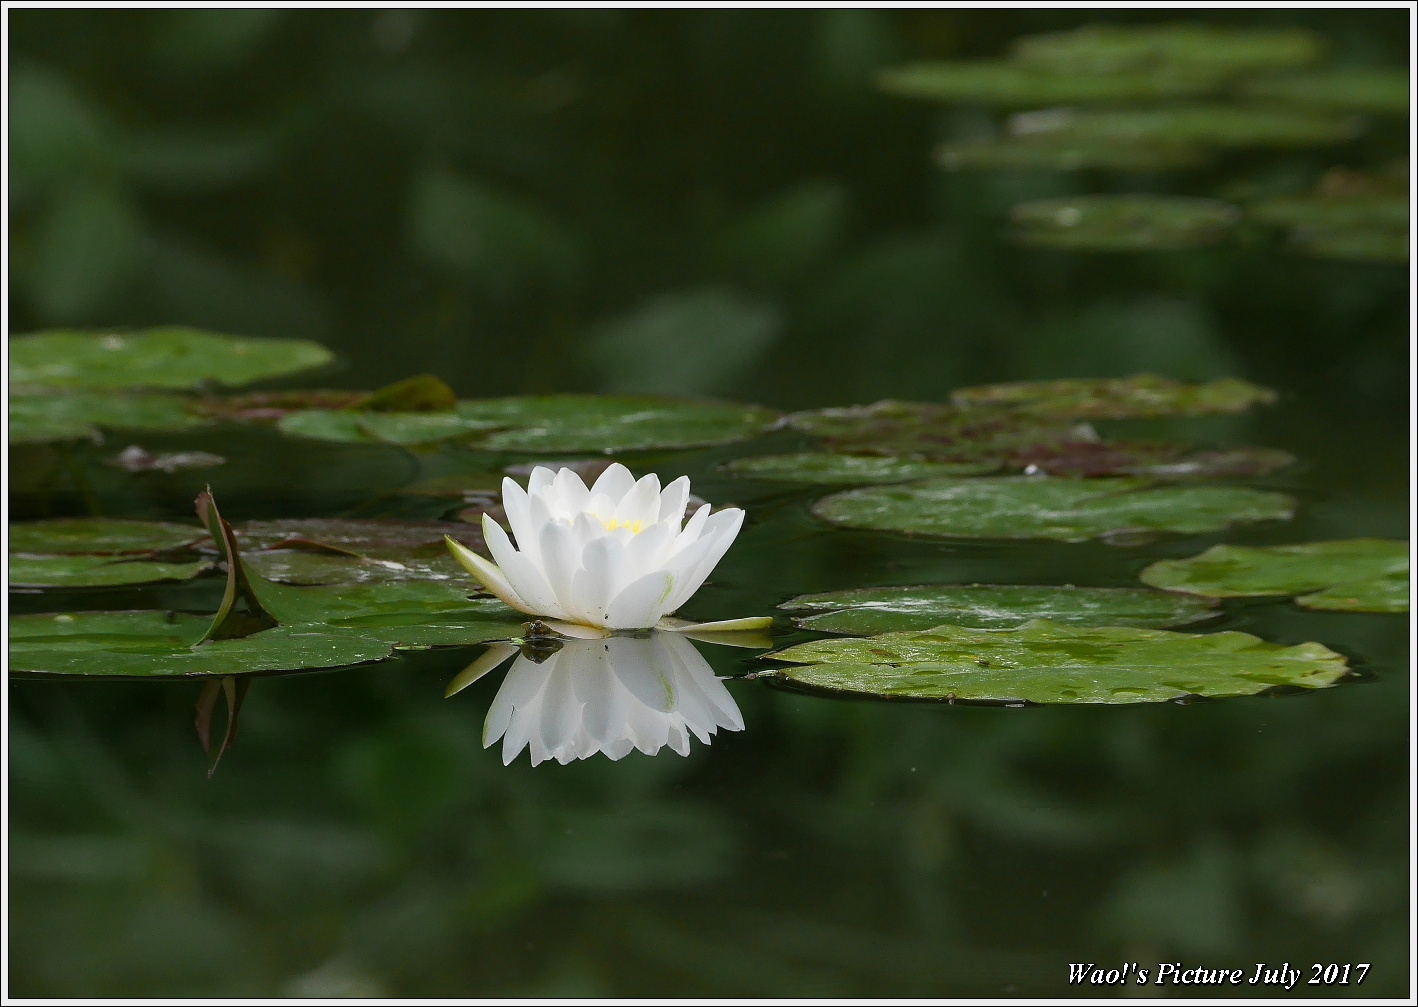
point(711, 202)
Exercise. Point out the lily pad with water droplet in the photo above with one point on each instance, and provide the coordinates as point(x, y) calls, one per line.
point(1005, 84)
point(1123, 223)
point(1069, 510)
point(1117, 398)
point(1215, 50)
point(1374, 90)
point(1046, 662)
point(84, 415)
point(95, 571)
point(169, 357)
point(610, 423)
point(1230, 571)
point(156, 644)
point(101, 535)
point(842, 469)
point(871, 610)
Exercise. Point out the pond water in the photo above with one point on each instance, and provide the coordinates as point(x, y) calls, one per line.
point(358, 839)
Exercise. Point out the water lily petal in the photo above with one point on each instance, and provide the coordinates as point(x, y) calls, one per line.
point(648, 550)
point(524, 575)
point(640, 604)
point(693, 530)
point(600, 579)
point(488, 575)
point(641, 506)
point(568, 494)
point(518, 506)
point(561, 558)
point(673, 499)
point(615, 482)
point(722, 528)
point(540, 480)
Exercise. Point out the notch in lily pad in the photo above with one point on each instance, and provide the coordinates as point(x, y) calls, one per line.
point(1048, 663)
point(1358, 575)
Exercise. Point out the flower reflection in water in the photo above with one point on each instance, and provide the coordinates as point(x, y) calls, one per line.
point(608, 695)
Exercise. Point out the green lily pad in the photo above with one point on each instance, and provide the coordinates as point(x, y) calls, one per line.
point(840, 469)
point(408, 615)
point(1012, 153)
point(1201, 125)
point(1045, 662)
point(1357, 244)
point(422, 393)
point(376, 538)
point(1117, 398)
point(1004, 84)
point(379, 427)
point(170, 357)
point(101, 535)
point(1070, 510)
point(149, 644)
point(257, 407)
point(1375, 90)
point(1124, 223)
point(83, 415)
point(926, 430)
point(1233, 571)
point(297, 566)
point(611, 423)
point(1213, 49)
point(1346, 212)
point(1388, 593)
point(872, 610)
point(95, 571)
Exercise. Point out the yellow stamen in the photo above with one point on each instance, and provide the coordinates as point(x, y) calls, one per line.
point(613, 523)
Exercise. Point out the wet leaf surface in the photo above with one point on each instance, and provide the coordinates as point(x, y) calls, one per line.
point(843, 469)
point(298, 566)
point(1069, 510)
point(1046, 662)
point(377, 538)
point(611, 423)
point(84, 415)
point(405, 614)
point(1388, 593)
point(170, 357)
point(1118, 398)
point(101, 535)
point(871, 610)
point(1229, 571)
point(1124, 223)
point(95, 571)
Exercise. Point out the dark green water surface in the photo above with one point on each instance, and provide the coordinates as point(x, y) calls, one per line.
point(357, 840)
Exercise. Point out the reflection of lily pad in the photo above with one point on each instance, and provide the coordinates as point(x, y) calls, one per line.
point(1070, 510)
point(153, 644)
point(1045, 662)
point(1118, 398)
point(609, 423)
point(1063, 154)
point(95, 571)
point(379, 427)
point(1214, 49)
point(1377, 594)
point(1124, 223)
point(101, 535)
point(1218, 125)
point(75, 415)
point(840, 469)
point(171, 357)
point(1376, 90)
point(1012, 85)
point(865, 611)
point(1229, 571)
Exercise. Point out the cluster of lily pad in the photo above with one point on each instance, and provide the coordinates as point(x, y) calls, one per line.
point(1146, 98)
point(1007, 461)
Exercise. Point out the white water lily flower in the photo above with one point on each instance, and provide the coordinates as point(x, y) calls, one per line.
point(610, 696)
point(616, 556)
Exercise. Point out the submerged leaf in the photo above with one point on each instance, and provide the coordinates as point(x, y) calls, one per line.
point(1229, 571)
point(1124, 223)
point(870, 610)
point(1117, 398)
point(1069, 510)
point(169, 357)
point(1045, 662)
